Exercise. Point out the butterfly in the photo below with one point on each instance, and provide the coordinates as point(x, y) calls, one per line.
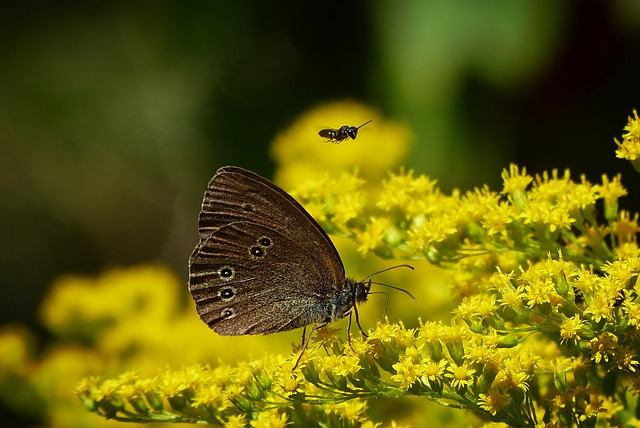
point(263, 264)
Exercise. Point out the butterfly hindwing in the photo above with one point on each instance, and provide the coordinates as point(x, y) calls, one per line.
point(245, 274)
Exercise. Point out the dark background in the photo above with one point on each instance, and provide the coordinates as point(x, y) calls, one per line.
point(114, 115)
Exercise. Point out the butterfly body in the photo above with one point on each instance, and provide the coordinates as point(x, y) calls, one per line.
point(262, 264)
point(341, 134)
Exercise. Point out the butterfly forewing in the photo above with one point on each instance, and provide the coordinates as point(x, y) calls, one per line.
point(235, 194)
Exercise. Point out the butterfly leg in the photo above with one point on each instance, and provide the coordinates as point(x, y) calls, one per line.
point(349, 327)
point(355, 309)
point(349, 332)
point(305, 341)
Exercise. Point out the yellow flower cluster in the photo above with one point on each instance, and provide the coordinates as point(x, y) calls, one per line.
point(329, 389)
point(629, 147)
point(528, 218)
point(335, 201)
point(494, 370)
point(544, 331)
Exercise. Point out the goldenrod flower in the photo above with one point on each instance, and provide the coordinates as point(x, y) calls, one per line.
point(570, 329)
point(461, 376)
point(629, 147)
point(352, 412)
point(270, 419)
point(603, 347)
point(494, 401)
point(407, 372)
point(235, 421)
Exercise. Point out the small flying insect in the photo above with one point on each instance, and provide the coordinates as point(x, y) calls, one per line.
point(337, 136)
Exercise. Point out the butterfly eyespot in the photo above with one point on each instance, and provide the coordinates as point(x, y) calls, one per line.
point(227, 313)
point(264, 241)
point(226, 273)
point(256, 251)
point(227, 293)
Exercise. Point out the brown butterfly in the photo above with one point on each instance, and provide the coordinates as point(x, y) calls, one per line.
point(263, 264)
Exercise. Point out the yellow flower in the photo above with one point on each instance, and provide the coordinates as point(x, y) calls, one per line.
point(374, 234)
point(537, 275)
point(433, 371)
point(333, 201)
point(235, 421)
point(632, 311)
point(211, 395)
point(347, 365)
point(541, 212)
point(384, 332)
point(353, 411)
point(359, 347)
point(286, 381)
point(494, 401)
point(412, 196)
point(590, 409)
point(570, 329)
point(603, 347)
point(270, 419)
point(609, 408)
point(461, 376)
point(539, 291)
point(496, 220)
point(515, 180)
point(513, 298)
point(626, 228)
point(407, 372)
point(404, 337)
point(626, 359)
point(601, 307)
point(611, 191)
point(629, 147)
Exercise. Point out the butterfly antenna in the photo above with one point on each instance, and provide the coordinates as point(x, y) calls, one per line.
point(389, 268)
point(407, 292)
point(391, 286)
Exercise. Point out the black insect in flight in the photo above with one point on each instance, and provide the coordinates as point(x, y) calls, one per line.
point(337, 136)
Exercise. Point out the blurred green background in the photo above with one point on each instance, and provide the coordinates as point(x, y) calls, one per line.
point(114, 115)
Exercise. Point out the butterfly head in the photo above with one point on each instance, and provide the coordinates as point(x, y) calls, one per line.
point(360, 290)
point(352, 293)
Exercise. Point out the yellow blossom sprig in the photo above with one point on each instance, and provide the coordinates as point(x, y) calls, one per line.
point(450, 365)
point(529, 218)
point(393, 361)
point(629, 147)
point(264, 393)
